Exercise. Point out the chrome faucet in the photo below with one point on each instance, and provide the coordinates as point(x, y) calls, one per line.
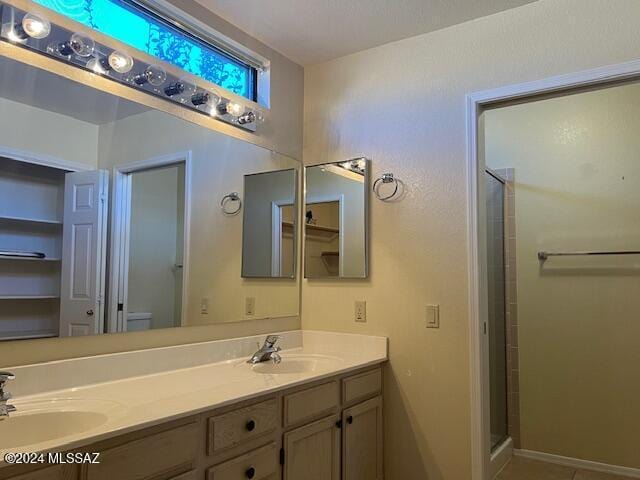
point(5, 409)
point(267, 352)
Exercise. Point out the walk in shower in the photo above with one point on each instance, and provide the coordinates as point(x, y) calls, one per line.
point(495, 196)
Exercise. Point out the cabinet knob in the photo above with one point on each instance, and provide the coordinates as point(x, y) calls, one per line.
point(251, 424)
point(90, 312)
point(339, 424)
point(349, 419)
point(250, 473)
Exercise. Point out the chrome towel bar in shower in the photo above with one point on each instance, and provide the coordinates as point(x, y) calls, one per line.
point(544, 255)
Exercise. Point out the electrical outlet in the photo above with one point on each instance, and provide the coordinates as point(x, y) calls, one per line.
point(433, 316)
point(250, 306)
point(204, 305)
point(361, 311)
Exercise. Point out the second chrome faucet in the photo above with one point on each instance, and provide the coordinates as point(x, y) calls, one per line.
point(5, 408)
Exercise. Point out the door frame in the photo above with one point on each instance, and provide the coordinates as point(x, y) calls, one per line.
point(276, 234)
point(476, 102)
point(120, 230)
point(338, 197)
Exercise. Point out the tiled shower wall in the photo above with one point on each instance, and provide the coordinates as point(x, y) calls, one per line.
point(511, 305)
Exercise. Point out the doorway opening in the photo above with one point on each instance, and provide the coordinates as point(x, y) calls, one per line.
point(150, 245)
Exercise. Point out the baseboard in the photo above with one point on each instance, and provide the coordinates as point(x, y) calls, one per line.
point(500, 457)
point(578, 463)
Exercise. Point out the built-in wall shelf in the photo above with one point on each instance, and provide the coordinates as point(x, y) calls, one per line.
point(27, 334)
point(29, 259)
point(29, 297)
point(44, 221)
point(31, 213)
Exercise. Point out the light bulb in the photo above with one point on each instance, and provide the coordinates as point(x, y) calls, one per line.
point(36, 26)
point(234, 109)
point(82, 45)
point(259, 114)
point(99, 65)
point(155, 75)
point(15, 35)
point(121, 62)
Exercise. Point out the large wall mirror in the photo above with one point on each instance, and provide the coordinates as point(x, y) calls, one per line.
point(110, 217)
point(336, 219)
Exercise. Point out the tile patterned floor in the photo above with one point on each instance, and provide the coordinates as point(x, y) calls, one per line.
point(520, 468)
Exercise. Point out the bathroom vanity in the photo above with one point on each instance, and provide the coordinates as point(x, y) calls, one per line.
point(317, 414)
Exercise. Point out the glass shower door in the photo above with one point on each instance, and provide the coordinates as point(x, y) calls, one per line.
point(496, 304)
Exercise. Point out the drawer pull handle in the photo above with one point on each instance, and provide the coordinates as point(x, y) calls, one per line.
point(250, 426)
point(250, 473)
point(349, 419)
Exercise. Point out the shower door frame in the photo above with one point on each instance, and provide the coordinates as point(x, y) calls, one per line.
point(476, 102)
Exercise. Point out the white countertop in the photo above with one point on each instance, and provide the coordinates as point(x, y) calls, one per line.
point(141, 401)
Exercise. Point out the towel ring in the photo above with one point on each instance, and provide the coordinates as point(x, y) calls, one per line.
point(386, 178)
point(230, 197)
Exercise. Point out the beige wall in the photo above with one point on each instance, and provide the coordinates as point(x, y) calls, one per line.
point(403, 105)
point(38, 131)
point(576, 166)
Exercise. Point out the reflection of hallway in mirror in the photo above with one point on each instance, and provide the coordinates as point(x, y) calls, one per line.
point(322, 233)
point(156, 248)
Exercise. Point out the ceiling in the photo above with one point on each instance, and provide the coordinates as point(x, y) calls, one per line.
point(314, 31)
point(38, 88)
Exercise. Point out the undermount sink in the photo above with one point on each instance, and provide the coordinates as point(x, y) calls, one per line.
point(299, 364)
point(38, 422)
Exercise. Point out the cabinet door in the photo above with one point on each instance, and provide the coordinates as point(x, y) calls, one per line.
point(312, 452)
point(362, 441)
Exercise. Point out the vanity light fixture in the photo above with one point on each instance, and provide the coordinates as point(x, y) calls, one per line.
point(121, 62)
point(25, 30)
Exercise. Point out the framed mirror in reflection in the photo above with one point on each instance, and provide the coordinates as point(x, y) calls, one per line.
point(108, 218)
point(269, 227)
point(336, 219)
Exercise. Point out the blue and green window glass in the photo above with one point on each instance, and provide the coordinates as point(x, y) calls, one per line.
point(140, 29)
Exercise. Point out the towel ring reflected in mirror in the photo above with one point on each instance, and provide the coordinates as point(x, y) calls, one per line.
point(228, 199)
point(386, 179)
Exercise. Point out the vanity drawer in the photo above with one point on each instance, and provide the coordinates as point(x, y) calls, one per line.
point(59, 472)
point(230, 429)
point(161, 455)
point(259, 464)
point(362, 386)
point(312, 403)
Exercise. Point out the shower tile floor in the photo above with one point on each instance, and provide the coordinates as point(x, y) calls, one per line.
point(520, 468)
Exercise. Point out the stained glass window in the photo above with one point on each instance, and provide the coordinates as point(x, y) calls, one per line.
point(142, 30)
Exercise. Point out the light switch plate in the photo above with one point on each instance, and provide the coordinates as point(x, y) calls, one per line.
point(433, 316)
point(250, 306)
point(361, 311)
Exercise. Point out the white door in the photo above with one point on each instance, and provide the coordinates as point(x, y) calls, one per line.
point(84, 239)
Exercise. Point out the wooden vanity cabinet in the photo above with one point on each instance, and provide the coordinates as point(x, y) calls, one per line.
point(362, 441)
point(325, 430)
